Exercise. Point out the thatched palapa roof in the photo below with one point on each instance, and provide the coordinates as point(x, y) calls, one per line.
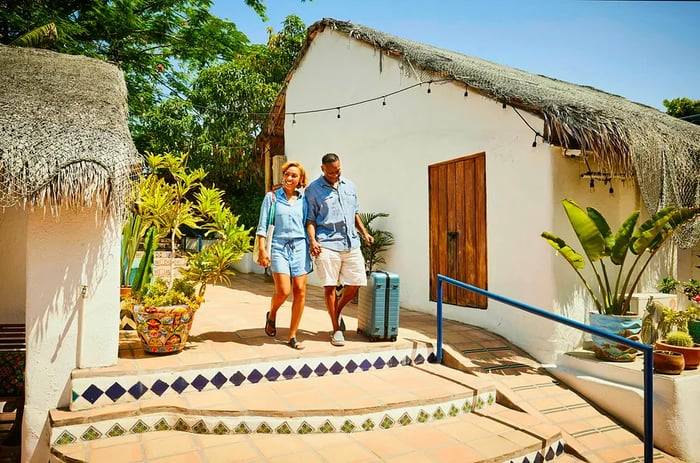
point(64, 139)
point(621, 138)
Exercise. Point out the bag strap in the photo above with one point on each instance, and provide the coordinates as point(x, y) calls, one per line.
point(271, 219)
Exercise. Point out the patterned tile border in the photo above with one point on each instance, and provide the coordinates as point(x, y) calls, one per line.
point(98, 391)
point(202, 424)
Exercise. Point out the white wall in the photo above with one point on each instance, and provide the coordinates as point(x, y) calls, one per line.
point(13, 232)
point(65, 329)
point(386, 151)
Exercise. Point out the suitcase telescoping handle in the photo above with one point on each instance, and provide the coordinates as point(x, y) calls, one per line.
point(387, 290)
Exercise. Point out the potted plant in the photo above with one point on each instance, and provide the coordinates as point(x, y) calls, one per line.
point(691, 289)
point(615, 277)
point(383, 240)
point(171, 197)
point(681, 342)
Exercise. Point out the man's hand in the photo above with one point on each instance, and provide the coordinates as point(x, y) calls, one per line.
point(369, 239)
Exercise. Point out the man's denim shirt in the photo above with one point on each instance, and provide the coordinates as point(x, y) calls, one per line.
point(333, 211)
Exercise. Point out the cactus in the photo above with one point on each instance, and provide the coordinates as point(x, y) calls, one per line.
point(679, 338)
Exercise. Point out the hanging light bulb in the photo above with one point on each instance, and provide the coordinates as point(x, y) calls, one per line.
point(294, 118)
point(591, 185)
point(429, 85)
point(534, 142)
point(384, 102)
point(611, 190)
point(338, 112)
point(466, 90)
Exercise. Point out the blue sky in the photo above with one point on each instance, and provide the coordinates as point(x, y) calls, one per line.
point(645, 51)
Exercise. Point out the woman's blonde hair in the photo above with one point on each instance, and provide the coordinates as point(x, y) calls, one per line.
point(302, 171)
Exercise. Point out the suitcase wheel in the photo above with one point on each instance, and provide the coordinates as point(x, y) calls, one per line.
point(393, 339)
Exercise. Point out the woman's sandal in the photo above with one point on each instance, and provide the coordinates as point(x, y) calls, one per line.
point(270, 328)
point(294, 344)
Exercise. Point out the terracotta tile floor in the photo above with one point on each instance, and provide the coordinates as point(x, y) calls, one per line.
point(229, 327)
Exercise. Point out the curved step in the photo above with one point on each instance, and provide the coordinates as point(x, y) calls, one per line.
point(377, 399)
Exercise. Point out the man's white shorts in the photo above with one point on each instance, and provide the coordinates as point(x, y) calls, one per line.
point(346, 267)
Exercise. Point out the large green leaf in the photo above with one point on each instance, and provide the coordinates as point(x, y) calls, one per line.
point(622, 239)
point(566, 251)
point(587, 230)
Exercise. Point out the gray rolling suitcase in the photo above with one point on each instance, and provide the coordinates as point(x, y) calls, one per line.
point(378, 308)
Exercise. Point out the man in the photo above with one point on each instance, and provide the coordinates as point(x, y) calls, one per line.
point(333, 223)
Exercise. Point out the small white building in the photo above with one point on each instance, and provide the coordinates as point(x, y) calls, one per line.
point(472, 159)
point(66, 156)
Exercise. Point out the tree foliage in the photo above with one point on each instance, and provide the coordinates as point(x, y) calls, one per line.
point(217, 119)
point(156, 43)
point(682, 107)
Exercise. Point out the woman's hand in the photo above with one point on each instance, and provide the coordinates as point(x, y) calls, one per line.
point(264, 259)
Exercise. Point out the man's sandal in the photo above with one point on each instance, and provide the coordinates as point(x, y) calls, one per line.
point(294, 344)
point(270, 328)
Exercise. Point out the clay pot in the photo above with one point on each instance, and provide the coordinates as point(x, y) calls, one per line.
point(691, 355)
point(668, 362)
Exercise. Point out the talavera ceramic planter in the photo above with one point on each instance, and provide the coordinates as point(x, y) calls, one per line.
point(163, 330)
point(627, 326)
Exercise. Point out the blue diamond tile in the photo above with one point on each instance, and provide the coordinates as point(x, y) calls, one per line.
point(137, 390)
point(218, 380)
point(336, 368)
point(200, 382)
point(74, 396)
point(159, 387)
point(255, 376)
point(92, 393)
point(365, 365)
point(379, 363)
point(272, 374)
point(180, 384)
point(432, 358)
point(550, 454)
point(289, 372)
point(406, 360)
point(393, 362)
point(419, 359)
point(305, 371)
point(351, 366)
point(560, 448)
point(539, 458)
point(115, 391)
point(237, 378)
point(321, 369)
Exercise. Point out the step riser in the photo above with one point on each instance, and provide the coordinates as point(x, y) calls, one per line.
point(99, 391)
point(223, 425)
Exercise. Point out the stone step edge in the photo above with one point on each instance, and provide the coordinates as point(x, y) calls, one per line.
point(95, 391)
point(214, 422)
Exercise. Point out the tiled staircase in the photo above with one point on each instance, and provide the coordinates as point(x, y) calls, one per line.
point(387, 403)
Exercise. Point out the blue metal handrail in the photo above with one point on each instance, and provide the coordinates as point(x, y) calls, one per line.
point(647, 350)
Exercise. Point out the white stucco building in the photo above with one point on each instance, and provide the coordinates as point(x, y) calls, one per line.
point(443, 142)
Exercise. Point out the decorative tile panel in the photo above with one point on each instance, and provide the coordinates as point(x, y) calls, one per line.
point(99, 391)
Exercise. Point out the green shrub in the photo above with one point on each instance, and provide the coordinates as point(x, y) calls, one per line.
point(679, 338)
point(667, 285)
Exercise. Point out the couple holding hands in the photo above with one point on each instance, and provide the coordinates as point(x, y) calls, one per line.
point(320, 222)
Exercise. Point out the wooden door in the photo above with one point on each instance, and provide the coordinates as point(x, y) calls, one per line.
point(458, 228)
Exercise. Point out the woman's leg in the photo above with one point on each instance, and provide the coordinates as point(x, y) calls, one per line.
point(298, 302)
point(280, 294)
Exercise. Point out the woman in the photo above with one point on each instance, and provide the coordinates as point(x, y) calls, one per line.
point(289, 257)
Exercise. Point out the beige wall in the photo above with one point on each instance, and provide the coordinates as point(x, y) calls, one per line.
point(13, 243)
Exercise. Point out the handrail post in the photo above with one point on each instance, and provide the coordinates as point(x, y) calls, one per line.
point(649, 405)
point(439, 319)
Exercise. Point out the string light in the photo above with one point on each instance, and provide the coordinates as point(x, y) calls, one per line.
point(338, 112)
point(466, 90)
point(591, 184)
point(384, 102)
point(429, 85)
point(534, 142)
point(504, 104)
point(294, 118)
